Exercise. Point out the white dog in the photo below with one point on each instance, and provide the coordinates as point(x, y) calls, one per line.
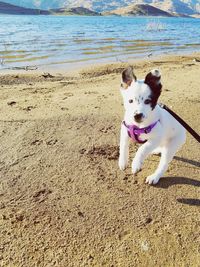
point(147, 123)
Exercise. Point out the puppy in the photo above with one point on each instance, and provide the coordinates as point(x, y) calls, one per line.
point(147, 123)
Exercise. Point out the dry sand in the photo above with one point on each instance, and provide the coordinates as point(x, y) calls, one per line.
point(63, 200)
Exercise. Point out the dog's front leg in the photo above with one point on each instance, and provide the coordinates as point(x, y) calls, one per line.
point(142, 153)
point(167, 155)
point(124, 148)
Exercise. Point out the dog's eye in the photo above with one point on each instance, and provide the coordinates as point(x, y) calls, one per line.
point(147, 101)
point(130, 101)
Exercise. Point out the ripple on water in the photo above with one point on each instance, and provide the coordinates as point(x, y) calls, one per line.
point(30, 40)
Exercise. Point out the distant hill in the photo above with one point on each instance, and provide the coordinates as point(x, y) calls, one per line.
point(139, 10)
point(74, 11)
point(17, 10)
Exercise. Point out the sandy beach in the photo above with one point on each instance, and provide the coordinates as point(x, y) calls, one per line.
point(63, 200)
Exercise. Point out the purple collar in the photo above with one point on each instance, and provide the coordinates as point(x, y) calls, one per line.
point(134, 132)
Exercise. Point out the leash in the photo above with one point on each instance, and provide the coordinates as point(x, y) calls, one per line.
point(182, 122)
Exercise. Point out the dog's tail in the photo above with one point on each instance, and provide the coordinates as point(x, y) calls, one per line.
point(182, 122)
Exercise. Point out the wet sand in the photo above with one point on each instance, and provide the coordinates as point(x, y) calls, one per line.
point(63, 200)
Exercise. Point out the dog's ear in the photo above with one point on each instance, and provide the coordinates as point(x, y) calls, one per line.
point(153, 79)
point(128, 77)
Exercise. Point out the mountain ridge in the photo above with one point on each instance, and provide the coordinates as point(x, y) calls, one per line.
point(175, 7)
point(188, 7)
point(10, 9)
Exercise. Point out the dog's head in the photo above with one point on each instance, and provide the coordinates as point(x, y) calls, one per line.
point(140, 96)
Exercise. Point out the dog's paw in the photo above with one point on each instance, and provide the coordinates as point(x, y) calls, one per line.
point(123, 163)
point(157, 151)
point(136, 166)
point(152, 179)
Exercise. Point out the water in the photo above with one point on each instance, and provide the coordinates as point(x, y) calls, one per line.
point(68, 41)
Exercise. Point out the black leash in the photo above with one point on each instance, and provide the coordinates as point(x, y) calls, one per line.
point(182, 122)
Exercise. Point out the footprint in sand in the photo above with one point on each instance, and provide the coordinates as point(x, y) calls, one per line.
point(106, 129)
point(67, 83)
point(11, 103)
point(67, 95)
point(108, 152)
point(29, 108)
point(51, 142)
point(37, 142)
point(63, 108)
point(90, 93)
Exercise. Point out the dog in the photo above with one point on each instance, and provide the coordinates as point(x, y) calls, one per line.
point(147, 123)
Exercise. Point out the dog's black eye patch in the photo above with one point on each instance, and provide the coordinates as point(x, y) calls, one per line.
point(130, 101)
point(147, 101)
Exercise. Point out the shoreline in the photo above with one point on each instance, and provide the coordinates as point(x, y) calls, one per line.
point(102, 14)
point(76, 69)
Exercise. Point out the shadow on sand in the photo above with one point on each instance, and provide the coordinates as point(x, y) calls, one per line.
point(166, 182)
point(189, 201)
point(169, 181)
point(189, 161)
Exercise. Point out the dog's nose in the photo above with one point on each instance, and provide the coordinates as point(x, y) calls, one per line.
point(138, 117)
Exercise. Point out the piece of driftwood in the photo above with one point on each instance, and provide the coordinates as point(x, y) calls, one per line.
point(23, 68)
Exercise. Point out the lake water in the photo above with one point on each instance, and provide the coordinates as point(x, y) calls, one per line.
point(59, 41)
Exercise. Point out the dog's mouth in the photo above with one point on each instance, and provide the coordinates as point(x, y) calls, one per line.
point(138, 120)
